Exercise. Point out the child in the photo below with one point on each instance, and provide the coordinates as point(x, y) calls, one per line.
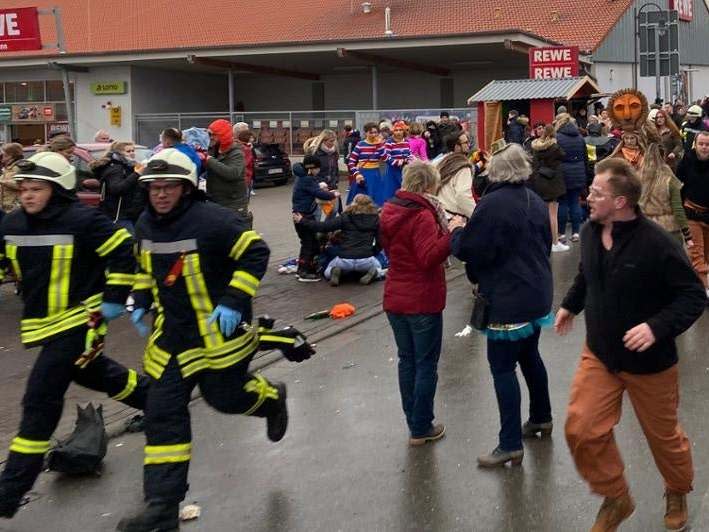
point(305, 191)
point(359, 225)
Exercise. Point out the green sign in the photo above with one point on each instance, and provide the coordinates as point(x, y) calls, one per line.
point(5, 113)
point(108, 87)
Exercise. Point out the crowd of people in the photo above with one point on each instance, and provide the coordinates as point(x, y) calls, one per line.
point(418, 194)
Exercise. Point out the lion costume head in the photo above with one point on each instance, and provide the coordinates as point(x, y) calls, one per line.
point(628, 109)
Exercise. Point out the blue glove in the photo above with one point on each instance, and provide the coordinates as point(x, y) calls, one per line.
point(111, 311)
point(228, 319)
point(137, 319)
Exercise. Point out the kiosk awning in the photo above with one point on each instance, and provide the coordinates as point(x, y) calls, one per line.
point(535, 89)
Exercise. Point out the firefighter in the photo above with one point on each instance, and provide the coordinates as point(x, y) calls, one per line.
point(201, 266)
point(72, 263)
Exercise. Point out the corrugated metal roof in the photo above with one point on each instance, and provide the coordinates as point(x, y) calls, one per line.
point(529, 89)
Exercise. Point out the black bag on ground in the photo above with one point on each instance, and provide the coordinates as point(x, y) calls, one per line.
point(83, 451)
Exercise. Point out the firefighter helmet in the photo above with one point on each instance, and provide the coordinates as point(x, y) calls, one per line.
point(170, 164)
point(48, 166)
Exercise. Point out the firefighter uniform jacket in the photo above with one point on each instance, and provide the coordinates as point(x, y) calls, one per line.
point(67, 264)
point(197, 257)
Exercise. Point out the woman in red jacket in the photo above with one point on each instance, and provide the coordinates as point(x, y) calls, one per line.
point(415, 235)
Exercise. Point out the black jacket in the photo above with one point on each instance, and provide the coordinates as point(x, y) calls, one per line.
point(215, 260)
point(644, 278)
point(359, 233)
point(514, 132)
point(68, 262)
point(575, 163)
point(695, 176)
point(506, 246)
point(226, 184)
point(122, 197)
point(329, 169)
point(306, 190)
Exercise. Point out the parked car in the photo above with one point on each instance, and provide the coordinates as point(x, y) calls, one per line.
point(88, 188)
point(271, 165)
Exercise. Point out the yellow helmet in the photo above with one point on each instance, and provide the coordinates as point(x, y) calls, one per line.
point(47, 166)
point(170, 164)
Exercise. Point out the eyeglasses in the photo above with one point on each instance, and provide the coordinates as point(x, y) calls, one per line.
point(167, 188)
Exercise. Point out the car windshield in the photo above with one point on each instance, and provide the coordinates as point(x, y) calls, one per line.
point(267, 150)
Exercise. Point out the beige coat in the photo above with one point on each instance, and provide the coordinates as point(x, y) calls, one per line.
point(9, 190)
point(456, 195)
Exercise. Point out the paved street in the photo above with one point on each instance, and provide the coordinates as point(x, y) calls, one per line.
point(345, 463)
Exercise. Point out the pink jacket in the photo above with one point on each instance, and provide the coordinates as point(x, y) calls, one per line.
point(418, 148)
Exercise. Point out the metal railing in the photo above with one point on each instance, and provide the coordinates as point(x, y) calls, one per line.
point(289, 129)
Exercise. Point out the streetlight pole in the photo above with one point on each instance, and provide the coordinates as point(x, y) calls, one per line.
point(658, 28)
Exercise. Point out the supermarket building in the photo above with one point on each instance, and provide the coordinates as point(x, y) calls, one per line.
point(289, 68)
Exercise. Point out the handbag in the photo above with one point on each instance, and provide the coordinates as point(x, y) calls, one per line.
point(480, 316)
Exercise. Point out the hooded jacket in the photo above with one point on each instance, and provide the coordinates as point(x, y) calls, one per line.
point(122, 197)
point(306, 190)
point(695, 176)
point(359, 233)
point(226, 184)
point(547, 178)
point(417, 247)
point(574, 165)
point(514, 131)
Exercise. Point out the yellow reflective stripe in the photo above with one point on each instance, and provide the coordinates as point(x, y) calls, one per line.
point(113, 242)
point(245, 240)
point(166, 454)
point(45, 332)
point(238, 343)
point(215, 363)
point(199, 298)
point(131, 383)
point(25, 446)
point(278, 339)
point(11, 251)
point(58, 291)
point(88, 305)
point(260, 386)
point(120, 279)
point(245, 282)
point(591, 152)
point(143, 281)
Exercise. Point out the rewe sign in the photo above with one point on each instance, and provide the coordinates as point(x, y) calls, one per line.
point(19, 29)
point(556, 62)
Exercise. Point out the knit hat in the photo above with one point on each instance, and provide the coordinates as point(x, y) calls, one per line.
point(221, 129)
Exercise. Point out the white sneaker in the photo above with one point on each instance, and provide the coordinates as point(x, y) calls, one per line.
point(559, 247)
point(575, 237)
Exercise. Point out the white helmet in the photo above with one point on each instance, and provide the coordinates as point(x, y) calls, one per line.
point(170, 164)
point(695, 111)
point(652, 115)
point(48, 166)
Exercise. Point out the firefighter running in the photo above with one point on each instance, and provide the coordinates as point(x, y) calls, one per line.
point(201, 267)
point(71, 262)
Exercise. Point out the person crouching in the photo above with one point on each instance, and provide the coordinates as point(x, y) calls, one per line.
point(359, 225)
point(305, 191)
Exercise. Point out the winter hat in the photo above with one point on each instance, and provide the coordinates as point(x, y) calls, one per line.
point(224, 134)
point(311, 161)
point(561, 109)
point(595, 129)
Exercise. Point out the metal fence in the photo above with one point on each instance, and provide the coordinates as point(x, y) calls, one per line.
point(289, 129)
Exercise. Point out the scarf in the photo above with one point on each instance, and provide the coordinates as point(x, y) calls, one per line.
point(440, 212)
point(451, 165)
point(632, 155)
point(325, 149)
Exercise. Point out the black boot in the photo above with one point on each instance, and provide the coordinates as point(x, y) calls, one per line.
point(155, 517)
point(9, 504)
point(277, 422)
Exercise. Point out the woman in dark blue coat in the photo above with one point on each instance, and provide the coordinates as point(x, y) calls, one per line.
point(506, 246)
point(574, 167)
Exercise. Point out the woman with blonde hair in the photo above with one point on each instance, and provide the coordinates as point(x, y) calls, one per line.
point(122, 199)
point(9, 189)
point(506, 246)
point(359, 226)
point(324, 147)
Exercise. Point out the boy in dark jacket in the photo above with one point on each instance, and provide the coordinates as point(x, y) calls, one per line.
point(305, 191)
point(359, 225)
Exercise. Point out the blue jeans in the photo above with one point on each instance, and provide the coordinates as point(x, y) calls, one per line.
point(569, 206)
point(418, 338)
point(503, 357)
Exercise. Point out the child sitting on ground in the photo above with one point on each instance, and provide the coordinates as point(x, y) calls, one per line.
point(359, 226)
point(306, 190)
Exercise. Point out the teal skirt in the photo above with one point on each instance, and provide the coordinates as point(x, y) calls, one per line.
point(517, 331)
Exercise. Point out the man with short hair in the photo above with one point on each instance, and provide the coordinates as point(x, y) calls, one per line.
point(693, 171)
point(630, 345)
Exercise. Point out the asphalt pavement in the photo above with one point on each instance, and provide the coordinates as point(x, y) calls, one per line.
point(344, 464)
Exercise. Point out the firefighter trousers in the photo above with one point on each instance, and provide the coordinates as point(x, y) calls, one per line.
point(167, 419)
point(43, 403)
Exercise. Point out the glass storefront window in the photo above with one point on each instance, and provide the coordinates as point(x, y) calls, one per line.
point(55, 90)
point(24, 91)
point(60, 112)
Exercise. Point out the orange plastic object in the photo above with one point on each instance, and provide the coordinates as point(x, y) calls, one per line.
point(342, 310)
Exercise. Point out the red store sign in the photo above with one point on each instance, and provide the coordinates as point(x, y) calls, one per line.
point(684, 9)
point(555, 62)
point(19, 29)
